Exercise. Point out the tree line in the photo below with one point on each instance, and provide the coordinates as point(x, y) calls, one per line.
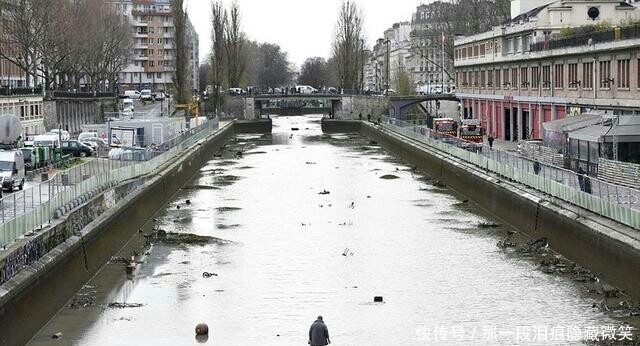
point(64, 43)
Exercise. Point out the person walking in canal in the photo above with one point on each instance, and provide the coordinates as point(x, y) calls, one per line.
point(318, 333)
point(490, 140)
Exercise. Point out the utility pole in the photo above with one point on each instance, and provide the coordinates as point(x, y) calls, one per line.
point(386, 91)
point(443, 62)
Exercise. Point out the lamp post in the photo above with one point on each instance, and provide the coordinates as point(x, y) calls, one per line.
point(386, 90)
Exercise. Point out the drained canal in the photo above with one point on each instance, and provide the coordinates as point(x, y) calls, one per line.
point(308, 224)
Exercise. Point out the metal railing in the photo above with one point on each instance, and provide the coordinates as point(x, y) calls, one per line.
point(32, 208)
point(613, 201)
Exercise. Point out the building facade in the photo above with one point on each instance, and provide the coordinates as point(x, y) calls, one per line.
point(429, 64)
point(389, 57)
point(552, 60)
point(153, 57)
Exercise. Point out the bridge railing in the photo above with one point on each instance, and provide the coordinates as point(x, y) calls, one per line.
point(616, 202)
point(32, 208)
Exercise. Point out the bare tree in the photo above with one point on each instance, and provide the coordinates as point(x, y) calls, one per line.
point(204, 72)
point(22, 32)
point(314, 72)
point(348, 45)
point(180, 78)
point(218, 66)
point(273, 66)
point(234, 46)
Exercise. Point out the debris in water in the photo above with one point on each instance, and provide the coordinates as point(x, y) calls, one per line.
point(377, 299)
point(324, 192)
point(124, 305)
point(310, 163)
point(188, 202)
point(294, 129)
point(202, 329)
point(208, 275)
point(352, 205)
point(488, 225)
point(389, 176)
point(57, 335)
point(438, 183)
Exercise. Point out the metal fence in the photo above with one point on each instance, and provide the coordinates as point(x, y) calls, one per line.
point(613, 201)
point(32, 208)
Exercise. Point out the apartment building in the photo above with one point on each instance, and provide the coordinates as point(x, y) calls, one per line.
point(390, 56)
point(153, 58)
point(552, 60)
point(428, 63)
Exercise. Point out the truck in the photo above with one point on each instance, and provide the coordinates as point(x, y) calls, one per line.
point(471, 133)
point(12, 169)
point(445, 126)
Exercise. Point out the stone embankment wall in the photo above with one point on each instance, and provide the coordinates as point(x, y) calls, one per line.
point(352, 106)
point(603, 246)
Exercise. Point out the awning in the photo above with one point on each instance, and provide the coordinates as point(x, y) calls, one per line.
point(573, 123)
point(599, 133)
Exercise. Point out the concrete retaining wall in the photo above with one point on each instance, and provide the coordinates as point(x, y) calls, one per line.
point(46, 285)
point(600, 245)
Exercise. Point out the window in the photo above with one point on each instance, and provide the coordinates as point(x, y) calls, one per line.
point(490, 78)
point(476, 79)
point(514, 78)
point(518, 44)
point(496, 73)
point(482, 50)
point(605, 74)
point(535, 77)
point(524, 77)
point(622, 78)
point(159, 75)
point(546, 77)
point(587, 75)
point(558, 76)
point(482, 78)
point(526, 42)
point(510, 46)
point(150, 52)
point(505, 78)
point(149, 75)
point(475, 51)
point(573, 76)
point(151, 63)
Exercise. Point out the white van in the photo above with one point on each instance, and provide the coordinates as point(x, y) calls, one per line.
point(132, 94)
point(127, 106)
point(12, 169)
point(64, 134)
point(46, 140)
point(306, 89)
point(145, 95)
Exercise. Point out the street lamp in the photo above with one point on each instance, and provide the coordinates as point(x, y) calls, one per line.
point(386, 90)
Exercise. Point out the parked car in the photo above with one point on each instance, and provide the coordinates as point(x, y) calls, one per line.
point(64, 134)
point(332, 90)
point(235, 91)
point(145, 95)
point(132, 94)
point(159, 96)
point(527, 145)
point(86, 135)
point(100, 142)
point(76, 148)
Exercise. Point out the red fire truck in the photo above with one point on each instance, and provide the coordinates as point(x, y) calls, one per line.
point(471, 134)
point(446, 126)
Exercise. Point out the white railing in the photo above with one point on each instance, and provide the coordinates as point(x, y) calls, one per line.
point(32, 208)
point(616, 202)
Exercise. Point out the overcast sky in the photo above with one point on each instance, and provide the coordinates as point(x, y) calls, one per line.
point(302, 28)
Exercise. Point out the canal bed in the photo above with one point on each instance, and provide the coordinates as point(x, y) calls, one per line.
point(316, 224)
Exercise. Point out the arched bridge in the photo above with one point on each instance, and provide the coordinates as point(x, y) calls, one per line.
point(400, 104)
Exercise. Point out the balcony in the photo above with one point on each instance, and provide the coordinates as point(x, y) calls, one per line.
point(590, 38)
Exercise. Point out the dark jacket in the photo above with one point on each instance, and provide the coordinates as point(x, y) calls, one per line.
point(318, 334)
